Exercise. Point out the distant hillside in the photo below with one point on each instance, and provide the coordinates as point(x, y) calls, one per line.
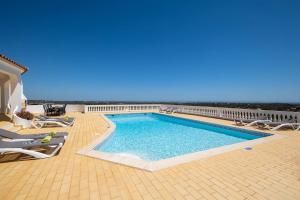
point(263, 106)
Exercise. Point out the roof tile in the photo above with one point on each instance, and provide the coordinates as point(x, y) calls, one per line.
point(23, 68)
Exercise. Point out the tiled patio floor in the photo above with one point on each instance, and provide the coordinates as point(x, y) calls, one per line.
point(270, 171)
point(4, 120)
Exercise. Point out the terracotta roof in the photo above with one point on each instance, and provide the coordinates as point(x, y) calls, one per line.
point(10, 61)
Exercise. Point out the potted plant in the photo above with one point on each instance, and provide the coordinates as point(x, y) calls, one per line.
point(23, 118)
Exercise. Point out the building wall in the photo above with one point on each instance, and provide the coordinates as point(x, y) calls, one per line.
point(11, 88)
point(38, 109)
point(3, 79)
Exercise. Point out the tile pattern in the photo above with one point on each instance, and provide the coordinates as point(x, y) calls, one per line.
point(270, 171)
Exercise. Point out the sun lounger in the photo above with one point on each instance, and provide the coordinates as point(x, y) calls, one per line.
point(258, 121)
point(249, 122)
point(65, 120)
point(163, 109)
point(40, 122)
point(18, 137)
point(43, 123)
point(25, 147)
point(243, 122)
point(278, 125)
point(171, 110)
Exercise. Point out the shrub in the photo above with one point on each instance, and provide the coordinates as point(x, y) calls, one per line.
point(25, 115)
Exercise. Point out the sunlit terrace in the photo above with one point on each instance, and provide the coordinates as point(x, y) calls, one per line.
point(269, 171)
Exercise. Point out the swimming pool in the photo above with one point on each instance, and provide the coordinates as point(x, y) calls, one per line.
point(154, 137)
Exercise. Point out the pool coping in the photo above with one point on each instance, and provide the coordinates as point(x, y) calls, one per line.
point(169, 162)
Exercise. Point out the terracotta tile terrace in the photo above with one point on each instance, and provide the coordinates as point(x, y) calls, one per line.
point(270, 171)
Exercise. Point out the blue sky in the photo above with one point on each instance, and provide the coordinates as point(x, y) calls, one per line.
point(237, 51)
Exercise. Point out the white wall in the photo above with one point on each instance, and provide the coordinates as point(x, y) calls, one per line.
point(74, 108)
point(217, 112)
point(13, 87)
point(38, 109)
point(3, 79)
point(16, 91)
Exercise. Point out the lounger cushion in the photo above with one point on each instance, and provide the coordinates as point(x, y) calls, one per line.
point(30, 144)
point(13, 135)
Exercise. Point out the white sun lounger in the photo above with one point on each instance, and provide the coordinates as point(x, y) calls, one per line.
point(258, 121)
point(13, 136)
point(40, 122)
point(68, 121)
point(243, 122)
point(171, 110)
point(294, 126)
point(163, 109)
point(25, 147)
point(273, 126)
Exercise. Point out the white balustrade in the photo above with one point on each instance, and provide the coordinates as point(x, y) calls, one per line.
point(238, 113)
point(121, 108)
point(216, 112)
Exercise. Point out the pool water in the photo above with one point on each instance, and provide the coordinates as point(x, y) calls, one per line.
point(153, 137)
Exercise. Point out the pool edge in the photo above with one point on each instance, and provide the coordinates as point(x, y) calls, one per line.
point(173, 161)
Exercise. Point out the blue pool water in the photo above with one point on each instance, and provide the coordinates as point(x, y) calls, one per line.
point(154, 137)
